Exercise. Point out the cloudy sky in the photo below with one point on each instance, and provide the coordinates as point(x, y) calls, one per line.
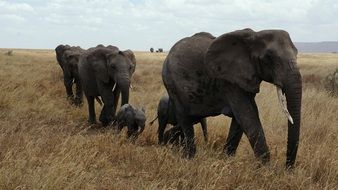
point(141, 24)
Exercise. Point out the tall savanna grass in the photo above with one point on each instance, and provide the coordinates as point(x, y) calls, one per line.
point(45, 143)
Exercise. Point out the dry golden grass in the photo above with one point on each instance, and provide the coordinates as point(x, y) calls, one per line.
point(46, 144)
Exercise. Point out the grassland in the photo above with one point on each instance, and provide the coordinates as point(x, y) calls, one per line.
point(47, 144)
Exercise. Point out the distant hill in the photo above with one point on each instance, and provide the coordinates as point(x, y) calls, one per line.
point(320, 47)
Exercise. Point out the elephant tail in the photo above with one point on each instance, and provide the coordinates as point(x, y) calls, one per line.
point(152, 122)
point(98, 100)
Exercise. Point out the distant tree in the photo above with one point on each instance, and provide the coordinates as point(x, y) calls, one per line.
point(160, 50)
point(151, 50)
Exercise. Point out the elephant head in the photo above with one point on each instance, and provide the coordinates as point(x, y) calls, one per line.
point(112, 66)
point(246, 58)
point(59, 50)
point(71, 57)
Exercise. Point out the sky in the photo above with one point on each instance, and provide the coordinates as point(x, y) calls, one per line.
point(141, 24)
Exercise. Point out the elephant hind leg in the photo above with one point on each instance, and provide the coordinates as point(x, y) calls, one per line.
point(189, 137)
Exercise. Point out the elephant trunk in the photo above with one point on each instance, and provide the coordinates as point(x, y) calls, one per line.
point(124, 87)
point(293, 92)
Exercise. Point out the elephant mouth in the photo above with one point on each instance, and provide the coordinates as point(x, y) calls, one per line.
point(283, 103)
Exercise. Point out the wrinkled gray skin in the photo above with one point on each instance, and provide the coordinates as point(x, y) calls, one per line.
point(166, 115)
point(131, 117)
point(68, 58)
point(205, 77)
point(101, 68)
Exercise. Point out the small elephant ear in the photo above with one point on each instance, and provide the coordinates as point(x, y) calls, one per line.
point(229, 58)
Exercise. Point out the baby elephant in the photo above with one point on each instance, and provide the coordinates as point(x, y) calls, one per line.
point(166, 115)
point(131, 117)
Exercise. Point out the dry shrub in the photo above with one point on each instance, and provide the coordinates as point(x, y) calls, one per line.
point(45, 143)
point(331, 83)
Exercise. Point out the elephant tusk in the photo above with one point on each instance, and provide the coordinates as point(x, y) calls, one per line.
point(131, 87)
point(283, 104)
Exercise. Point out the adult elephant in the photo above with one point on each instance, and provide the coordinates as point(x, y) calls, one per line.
point(205, 76)
point(68, 58)
point(101, 69)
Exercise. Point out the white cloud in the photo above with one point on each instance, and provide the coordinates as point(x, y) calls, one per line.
point(139, 24)
point(7, 7)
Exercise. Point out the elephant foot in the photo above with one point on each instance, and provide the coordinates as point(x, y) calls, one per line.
point(92, 122)
point(70, 100)
point(105, 121)
point(77, 102)
point(105, 124)
point(265, 158)
point(229, 151)
point(132, 134)
point(172, 136)
point(189, 152)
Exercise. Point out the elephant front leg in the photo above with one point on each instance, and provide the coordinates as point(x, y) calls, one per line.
point(234, 137)
point(106, 116)
point(91, 110)
point(79, 93)
point(245, 112)
point(68, 82)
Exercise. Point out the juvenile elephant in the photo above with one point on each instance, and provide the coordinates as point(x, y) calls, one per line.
point(166, 115)
point(131, 117)
point(208, 76)
point(101, 68)
point(68, 58)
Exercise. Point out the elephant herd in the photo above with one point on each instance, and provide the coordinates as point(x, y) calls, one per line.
point(204, 76)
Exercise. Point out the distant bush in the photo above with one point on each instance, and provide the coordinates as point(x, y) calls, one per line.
point(331, 83)
point(9, 52)
point(159, 50)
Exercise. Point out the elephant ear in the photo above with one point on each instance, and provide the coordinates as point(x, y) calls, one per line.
point(59, 50)
point(229, 58)
point(130, 54)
